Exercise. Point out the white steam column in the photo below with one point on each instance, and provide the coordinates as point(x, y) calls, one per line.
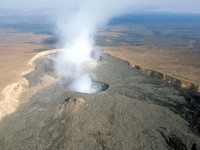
point(77, 31)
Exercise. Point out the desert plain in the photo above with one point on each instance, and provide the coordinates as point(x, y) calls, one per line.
point(137, 111)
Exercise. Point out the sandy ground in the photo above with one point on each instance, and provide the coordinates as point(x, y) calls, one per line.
point(180, 64)
point(12, 93)
point(136, 112)
point(16, 50)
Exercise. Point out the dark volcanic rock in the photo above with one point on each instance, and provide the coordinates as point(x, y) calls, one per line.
point(136, 112)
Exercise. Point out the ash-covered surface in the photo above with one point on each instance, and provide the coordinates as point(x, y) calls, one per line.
point(136, 112)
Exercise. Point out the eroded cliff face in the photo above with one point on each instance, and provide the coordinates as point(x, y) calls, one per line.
point(179, 67)
point(172, 80)
point(10, 95)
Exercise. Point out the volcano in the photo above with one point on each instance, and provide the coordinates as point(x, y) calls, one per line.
point(136, 112)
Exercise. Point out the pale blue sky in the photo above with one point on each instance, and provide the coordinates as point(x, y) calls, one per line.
point(155, 5)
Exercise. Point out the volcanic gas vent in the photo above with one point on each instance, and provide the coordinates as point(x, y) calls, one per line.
point(96, 87)
point(96, 56)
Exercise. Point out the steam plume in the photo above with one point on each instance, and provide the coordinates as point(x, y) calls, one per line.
point(77, 31)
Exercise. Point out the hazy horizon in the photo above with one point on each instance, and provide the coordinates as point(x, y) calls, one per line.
point(182, 6)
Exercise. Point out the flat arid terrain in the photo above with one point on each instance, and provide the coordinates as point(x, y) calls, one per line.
point(152, 100)
point(15, 54)
point(21, 37)
point(16, 50)
point(180, 65)
point(169, 46)
point(20, 40)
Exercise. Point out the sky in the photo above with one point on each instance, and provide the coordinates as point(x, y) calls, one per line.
point(192, 6)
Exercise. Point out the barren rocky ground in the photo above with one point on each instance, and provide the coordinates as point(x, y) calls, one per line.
point(136, 112)
point(179, 64)
point(16, 49)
